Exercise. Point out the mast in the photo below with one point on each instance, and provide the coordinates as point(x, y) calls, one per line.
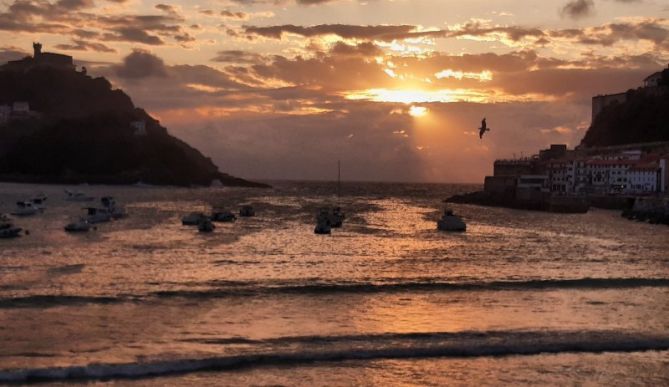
point(338, 180)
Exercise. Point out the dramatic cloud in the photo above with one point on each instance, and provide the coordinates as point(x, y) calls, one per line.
point(577, 9)
point(141, 64)
point(263, 96)
point(81, 45)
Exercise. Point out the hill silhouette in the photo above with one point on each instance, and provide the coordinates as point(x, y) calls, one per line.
point(643, 117)
point(83, 132)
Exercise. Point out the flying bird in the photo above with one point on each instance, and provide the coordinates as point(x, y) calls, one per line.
point(484, 128)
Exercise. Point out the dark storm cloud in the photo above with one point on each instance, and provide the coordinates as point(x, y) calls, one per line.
point(141, 64)
point(577, 9)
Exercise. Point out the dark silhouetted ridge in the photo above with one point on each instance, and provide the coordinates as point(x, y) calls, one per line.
point(81, 130)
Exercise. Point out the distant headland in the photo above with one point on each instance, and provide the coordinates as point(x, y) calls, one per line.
point(622, 162)
point(60, 125)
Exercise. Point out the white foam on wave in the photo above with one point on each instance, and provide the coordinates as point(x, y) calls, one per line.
point(363, 347)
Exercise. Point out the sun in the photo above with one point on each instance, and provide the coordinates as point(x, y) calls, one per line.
point(418, 111)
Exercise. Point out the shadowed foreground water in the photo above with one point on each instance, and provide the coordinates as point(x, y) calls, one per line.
point(522, 297)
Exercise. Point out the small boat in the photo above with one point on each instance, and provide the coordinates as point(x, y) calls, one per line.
point(4, 218)
point(205, 225)
point(332, 216)
point(337, 217)
point(223, 216)
point(116, 211)
point(77, 196)
point(451, 222)
point(247, 211)
point(27, 208)
point(98, 215)
point(193, 219)
point(322, 228)
point(82, 225)
point(7, 230)
point(39, 202)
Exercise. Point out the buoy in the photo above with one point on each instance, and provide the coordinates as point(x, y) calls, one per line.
point(27, 232)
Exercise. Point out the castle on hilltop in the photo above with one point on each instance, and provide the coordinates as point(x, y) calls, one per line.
point(41, 59)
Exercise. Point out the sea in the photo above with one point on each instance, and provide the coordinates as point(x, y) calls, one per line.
point(520, 298)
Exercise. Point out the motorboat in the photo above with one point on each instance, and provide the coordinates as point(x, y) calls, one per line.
point(247, 211)
point(77, 196)
point(26, 208)
point(223, 216)
point(451, 222)
point(98, 215)
point(116, 211)
point(7, 230)
point(82, 225)
point(205, 225)
point(193, 219)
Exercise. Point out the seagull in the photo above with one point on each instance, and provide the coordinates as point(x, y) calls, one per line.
point(484, 128)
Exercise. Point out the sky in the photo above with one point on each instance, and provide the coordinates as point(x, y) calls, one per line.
point(395, 89)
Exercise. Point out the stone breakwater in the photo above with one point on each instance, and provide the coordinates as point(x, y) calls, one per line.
point(654, 210)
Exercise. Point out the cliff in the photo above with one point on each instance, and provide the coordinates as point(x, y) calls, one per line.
point(643, 117)
point(81, 131)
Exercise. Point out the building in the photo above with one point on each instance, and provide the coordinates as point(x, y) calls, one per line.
point(644, 178)
point(515, 167)
point(41, 59)
point(561, 176)
point(653, 80)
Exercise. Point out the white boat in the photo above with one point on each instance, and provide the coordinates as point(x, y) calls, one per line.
point(39, 202)
point(27, 208)
point(247, 211)
point(116, 211)
point(193, 219)
point(223, 216)
point(77, 196)
point(205, 225)
point(82, 225)
point(98, 215)
point(451, 222)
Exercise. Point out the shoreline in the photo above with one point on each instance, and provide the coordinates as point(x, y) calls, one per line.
point(640, 209)
point(226, 181)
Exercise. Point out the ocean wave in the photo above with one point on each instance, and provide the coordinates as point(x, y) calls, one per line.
point(295, 351)
point(222, 289)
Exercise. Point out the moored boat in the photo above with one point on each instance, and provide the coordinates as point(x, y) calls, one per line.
point(82, 225)
point(247, 211)
point(451, 222)
point(205, 225)
point(193, 219)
